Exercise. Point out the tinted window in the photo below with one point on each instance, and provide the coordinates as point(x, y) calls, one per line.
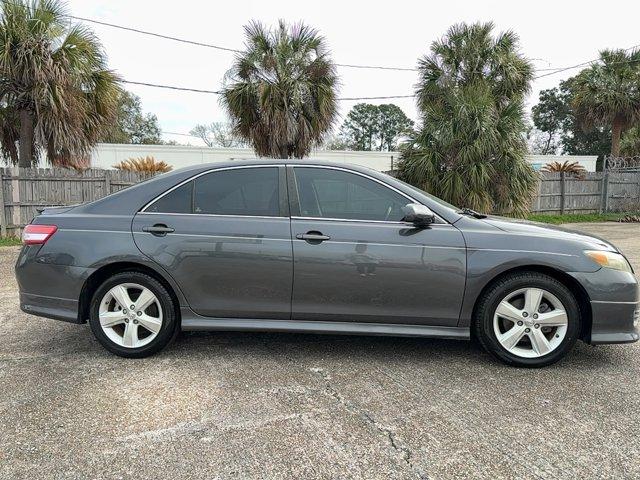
point(338, 194)
point(243, 191)
point(176, 201)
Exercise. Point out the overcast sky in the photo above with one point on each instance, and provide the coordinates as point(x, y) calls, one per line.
point(391, 33)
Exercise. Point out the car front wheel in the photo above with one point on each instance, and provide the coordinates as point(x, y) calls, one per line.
point(528, 319)
point(133, 315)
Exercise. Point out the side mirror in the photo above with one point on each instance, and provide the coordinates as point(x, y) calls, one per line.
point(418, 214)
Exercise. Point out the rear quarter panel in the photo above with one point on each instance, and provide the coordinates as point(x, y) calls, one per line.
point(82, 244)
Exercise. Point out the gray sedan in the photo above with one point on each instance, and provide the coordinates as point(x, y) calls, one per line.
point(299, 246)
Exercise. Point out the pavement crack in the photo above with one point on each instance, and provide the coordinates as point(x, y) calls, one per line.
point(396, 445)
point(394, 442)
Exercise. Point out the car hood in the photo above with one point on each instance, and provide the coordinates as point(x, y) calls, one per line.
point(527, 227)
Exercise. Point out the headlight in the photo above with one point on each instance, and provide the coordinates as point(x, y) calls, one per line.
point(609, 260)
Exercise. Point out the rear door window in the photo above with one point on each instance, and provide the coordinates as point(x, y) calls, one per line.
point(176, 201)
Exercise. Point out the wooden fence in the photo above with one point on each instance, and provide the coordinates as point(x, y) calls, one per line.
point(596, 192)
point(24, 190)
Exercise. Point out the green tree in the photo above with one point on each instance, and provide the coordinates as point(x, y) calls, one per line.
point(132, 125)
point(630, 143)
point(607, 94)
point(549, 117)
point(56, 92)
point(280, 93)
point(470, 148)
point(360, 128)
point(392, 125)
point(375, 127)
point(555, 118)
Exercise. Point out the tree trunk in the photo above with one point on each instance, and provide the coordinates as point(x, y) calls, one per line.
point(546, 147)
point(616, 133)
point(13, 153)
point(26, 139)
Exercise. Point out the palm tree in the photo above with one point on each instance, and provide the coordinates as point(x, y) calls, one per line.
point(572, 168)
point(470, 148)
point(55, 89)
point(280, 93)
point(607, 94)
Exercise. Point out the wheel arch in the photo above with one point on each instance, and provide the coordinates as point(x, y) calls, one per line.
point(581, 295)
point(101, 274)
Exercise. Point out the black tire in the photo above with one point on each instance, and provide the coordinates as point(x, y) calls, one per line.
point(487, 304)
point(170, 324)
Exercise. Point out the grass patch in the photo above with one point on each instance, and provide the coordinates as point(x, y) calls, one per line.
point(575, 217)
point(9, 241)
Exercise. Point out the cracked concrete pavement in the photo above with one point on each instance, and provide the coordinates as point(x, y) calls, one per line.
point(242, 405)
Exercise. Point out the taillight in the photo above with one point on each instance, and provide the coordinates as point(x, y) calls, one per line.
point(37, 234)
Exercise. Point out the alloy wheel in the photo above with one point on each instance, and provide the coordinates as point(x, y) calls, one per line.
point(130, 315)
point(530, 322)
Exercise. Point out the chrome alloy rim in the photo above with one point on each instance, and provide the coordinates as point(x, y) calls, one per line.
point(130, 315)
point(530, 322)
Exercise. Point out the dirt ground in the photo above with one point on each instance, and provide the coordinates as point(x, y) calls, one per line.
point(241, 405)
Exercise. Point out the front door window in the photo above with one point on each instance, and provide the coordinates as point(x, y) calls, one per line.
point(330, 193)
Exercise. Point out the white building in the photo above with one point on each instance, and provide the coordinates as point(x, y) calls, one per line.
point(587, 161)
point(105, 155)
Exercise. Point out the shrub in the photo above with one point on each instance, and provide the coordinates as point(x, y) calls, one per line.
point(146, 164)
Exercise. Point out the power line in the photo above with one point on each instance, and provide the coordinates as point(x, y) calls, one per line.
point(218, 47)
point(564, 69)
point(376, 67)
point(387, 97)
point(153, 34)
point(552, 71)
point(181, 134)
point(217, 92)
point(172, 87)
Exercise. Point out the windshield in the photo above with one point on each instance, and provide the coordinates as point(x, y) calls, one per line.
point(435, 199)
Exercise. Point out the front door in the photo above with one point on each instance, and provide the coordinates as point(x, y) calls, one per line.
point(225, 238)
point(355, 260)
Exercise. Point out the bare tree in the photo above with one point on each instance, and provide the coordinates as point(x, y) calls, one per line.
point(217, 134)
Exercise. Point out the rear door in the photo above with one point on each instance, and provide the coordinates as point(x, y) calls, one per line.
point(225, 238)
point(355, 260)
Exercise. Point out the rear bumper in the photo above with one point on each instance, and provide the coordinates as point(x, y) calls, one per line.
point(51, 307)
point(615, 306)
point(48, 289)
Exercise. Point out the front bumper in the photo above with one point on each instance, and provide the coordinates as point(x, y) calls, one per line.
point(615, 306)
point(614, 322)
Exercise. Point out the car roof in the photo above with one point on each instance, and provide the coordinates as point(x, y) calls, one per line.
point(258, 162)
point(130, 200)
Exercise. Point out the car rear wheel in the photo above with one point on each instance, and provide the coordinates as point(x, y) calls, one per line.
point(528, 319)
point(133, 315)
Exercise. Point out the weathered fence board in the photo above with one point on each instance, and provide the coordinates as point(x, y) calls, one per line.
point(23, 191)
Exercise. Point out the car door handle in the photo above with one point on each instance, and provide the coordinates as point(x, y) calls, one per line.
point(159, 230)
point(313, 237)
